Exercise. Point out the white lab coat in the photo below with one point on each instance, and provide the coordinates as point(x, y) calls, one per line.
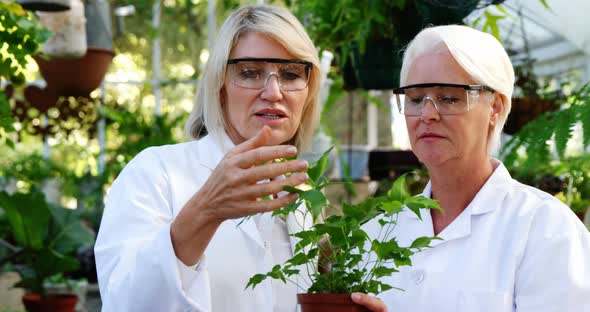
point(514, 248)
point(137, 267)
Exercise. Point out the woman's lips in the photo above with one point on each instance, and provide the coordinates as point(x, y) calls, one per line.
point(430, 136)
point(271, 115)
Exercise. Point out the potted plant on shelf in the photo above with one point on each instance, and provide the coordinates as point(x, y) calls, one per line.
point(43, 238)
point(367, 36)
point(338, 255)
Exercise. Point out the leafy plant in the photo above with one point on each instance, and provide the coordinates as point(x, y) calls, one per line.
point(44, 237)
point(349, 260)
point(140, 132)
point(530, 146)
point(20, 37)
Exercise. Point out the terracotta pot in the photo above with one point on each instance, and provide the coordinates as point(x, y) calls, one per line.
point(78, 76)
point(328, 303)
point(51, 303)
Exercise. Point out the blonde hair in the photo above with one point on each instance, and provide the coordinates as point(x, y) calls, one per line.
point(479, 54)
point(278, 24)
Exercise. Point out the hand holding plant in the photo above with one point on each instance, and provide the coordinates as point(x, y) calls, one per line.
point(350, 260)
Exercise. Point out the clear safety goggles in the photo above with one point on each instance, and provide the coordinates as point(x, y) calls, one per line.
point(447, 99)
point(254, 73)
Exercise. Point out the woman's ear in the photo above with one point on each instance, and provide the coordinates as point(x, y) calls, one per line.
point(497, 108)
point(222, 96)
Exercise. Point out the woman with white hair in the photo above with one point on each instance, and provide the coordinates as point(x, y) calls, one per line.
point(170, 237)
point(505, 246)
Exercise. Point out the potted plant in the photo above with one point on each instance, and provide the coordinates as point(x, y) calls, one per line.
point(43, 237)
point(367, 36)
point(337, 254)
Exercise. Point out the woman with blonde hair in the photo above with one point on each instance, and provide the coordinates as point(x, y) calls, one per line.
point(176, 233)
point(505, 246)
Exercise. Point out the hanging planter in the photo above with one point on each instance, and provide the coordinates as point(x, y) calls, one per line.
point(69, 32)
point(80, 76)
point(75, 77)
point(379, 65)
point(45, 5)
point(376, 69)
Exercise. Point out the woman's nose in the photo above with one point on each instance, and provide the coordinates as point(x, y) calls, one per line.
point(272, 89)
point(429, 111)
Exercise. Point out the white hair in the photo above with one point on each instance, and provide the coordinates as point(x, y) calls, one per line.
point(278, 24)
point(480, 54)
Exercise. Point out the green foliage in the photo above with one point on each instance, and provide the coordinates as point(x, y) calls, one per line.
point(349, 260)
point(336, 24)
point(533, 139)
point(139, 132)
point(20, 36)
point(45, 236)
point(6, 120)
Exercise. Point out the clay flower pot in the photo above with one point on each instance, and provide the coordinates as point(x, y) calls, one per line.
point(328, 303)
point(78, 76)
point(51, 303)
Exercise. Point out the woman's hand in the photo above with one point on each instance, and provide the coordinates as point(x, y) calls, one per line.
point(371, 303)
point(233, 191)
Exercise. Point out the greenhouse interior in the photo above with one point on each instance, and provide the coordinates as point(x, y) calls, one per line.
point(105, 108)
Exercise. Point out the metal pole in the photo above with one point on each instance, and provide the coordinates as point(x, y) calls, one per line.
point(156, 57)
point(211, 25)
point(44, 124)
point(350, 137)
point(372, 122)
point(101, 133)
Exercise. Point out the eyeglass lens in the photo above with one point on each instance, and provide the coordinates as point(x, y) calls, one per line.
point(446, 100)
point(255, 75)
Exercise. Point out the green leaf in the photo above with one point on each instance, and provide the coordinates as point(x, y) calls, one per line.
point(290, 189)
point(392, 207)
point(315, 202)
point(318, 170)
point(399, 190)
point(285, 211)
point(383, 271)
point(298, 259)
point(28, 215)
point(255, 280)
point(422, 242)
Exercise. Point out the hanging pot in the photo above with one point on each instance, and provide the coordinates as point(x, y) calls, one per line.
point(328, 303)
point(376, 69)
point(98, 24)
point(75, 77)
point(69, 31)
point(45, 5)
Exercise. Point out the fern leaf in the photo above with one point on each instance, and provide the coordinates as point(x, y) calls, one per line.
point(563, 125)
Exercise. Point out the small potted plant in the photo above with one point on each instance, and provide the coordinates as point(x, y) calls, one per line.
point(43, 236)
point(338, 256)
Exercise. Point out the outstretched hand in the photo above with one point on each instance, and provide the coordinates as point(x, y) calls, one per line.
point(233, 189)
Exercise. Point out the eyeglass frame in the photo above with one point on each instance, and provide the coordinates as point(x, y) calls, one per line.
point(401, 90)
point(308, 66)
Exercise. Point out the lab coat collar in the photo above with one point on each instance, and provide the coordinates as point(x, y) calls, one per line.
point(486, 200)
point(216, 146)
